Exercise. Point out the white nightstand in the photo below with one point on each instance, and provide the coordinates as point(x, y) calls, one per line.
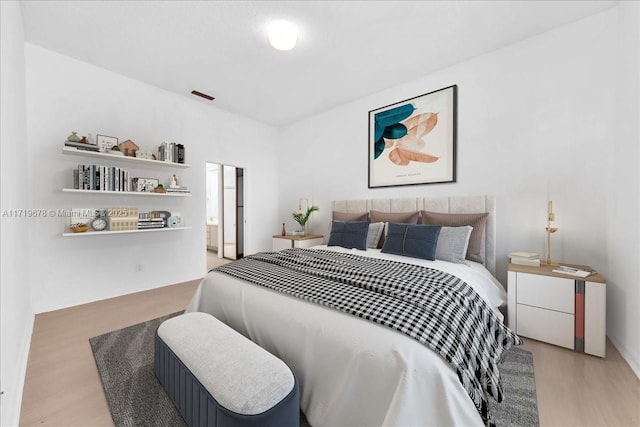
point(557, 308)
point(290, 241)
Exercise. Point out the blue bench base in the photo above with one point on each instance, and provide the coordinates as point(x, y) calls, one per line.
point(200, 409)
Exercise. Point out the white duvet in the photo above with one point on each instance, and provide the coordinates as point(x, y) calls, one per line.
point(351, 372)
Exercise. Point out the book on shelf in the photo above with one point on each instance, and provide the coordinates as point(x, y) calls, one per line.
point(525, 258)
point(81, 146)
point(101, 178)
point(533, 262)
point(572, 271)
point(148, 221)
point(181, 189)
point(524, 254)
point(171, 152)
point(145, 227)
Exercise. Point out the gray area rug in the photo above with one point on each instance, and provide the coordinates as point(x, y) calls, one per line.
point(136, 398)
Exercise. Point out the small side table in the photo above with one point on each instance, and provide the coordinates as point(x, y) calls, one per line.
point(290, 241)
point(559, 309)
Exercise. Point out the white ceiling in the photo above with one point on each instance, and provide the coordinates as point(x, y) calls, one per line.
point(346, 50)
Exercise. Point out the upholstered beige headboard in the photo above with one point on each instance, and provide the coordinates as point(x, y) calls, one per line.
point(458, 204)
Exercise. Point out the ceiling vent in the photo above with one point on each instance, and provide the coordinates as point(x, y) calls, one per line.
point(203, 95)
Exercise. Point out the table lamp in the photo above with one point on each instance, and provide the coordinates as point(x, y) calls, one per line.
point(551, 228)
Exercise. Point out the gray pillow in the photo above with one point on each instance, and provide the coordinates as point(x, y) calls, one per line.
point(373, 236)
point(452, 243)
point(477, 220)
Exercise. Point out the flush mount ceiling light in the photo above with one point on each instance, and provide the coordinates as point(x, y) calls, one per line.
point(282, 34)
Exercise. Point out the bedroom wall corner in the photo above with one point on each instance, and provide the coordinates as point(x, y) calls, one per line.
point(16, 314)
point(63, 95)
point(623, 213)
point(533, 118)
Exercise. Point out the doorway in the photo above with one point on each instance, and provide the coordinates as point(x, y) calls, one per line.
point(225, 213)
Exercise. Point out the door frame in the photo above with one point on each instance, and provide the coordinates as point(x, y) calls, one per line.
point(240, 231)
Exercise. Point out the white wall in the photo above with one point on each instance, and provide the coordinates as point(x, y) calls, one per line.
point(536, 121)
point(15, 309)
point(623, 243)
point(65, 95)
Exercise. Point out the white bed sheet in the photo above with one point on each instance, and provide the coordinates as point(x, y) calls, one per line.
point(351, 372)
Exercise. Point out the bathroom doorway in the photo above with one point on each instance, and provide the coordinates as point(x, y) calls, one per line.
point(225, 213)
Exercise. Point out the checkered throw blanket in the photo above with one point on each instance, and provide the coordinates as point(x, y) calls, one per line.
point(435, 308)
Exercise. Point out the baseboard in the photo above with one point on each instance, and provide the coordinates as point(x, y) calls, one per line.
point(12, 399)
point(633, 363)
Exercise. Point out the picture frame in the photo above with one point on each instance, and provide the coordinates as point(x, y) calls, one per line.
point(105, 142)
point(144, 185)
point(413, 142)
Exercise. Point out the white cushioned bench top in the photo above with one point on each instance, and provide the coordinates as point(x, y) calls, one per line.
point(242, 376)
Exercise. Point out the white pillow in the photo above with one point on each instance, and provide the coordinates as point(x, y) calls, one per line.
point(452, 243)
point(374, 234)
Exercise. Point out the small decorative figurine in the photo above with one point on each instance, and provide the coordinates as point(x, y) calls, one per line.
point(73, 137)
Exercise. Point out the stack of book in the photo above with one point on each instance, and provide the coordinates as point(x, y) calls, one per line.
point(148, 220)
point(180, 189)
point(525, 258)
point(146, 223)
point(81, 146)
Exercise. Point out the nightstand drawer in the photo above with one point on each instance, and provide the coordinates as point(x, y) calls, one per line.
point(546, 325)
point(309, 243)
point(552, 293)
point(291, 241)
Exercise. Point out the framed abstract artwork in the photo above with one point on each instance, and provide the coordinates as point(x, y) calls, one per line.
point(413, 142)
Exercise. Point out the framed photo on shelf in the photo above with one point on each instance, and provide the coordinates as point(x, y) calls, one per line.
point(413, 142)
point(144, 185)
point(105, 142)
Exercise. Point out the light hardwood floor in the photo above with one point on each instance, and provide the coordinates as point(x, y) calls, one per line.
point(62, 386)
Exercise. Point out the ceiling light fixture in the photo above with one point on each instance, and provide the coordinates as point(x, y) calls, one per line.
point(282, 34)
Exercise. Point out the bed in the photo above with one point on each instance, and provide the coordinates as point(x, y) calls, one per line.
point(352, 371)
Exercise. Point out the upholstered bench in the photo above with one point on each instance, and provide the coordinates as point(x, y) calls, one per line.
point(218, 378)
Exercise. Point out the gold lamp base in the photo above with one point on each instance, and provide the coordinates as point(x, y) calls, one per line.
point(550, 231)
point(551, 228)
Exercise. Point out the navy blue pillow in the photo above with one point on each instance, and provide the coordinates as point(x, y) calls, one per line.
point(413, 240)
point(349, 234)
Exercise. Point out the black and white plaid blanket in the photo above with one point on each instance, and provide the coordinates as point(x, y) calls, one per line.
point(435, 308)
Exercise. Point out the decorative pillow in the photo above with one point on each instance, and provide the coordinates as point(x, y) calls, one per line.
point(349, 234)
point(414, 240)
point(397, 217)
point(373, 236)
point(476, 220)
point(452, 243)
point(350, 216)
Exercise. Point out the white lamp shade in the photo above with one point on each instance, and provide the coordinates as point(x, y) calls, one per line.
point(282, 34)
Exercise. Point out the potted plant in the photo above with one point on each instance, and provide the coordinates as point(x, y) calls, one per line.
point(116, 150)
point(302, 218)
